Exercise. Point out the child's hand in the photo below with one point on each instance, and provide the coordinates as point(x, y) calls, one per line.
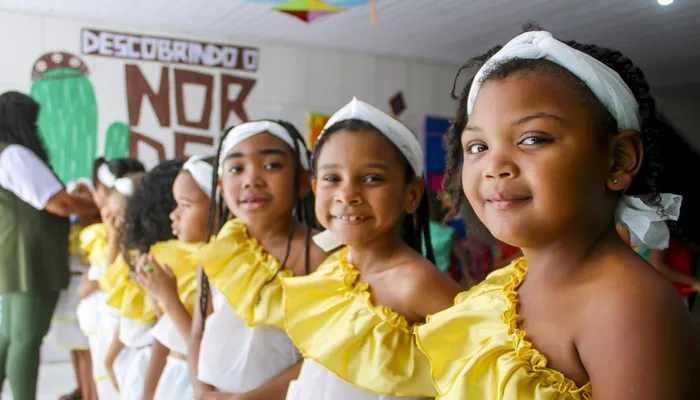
point(160, 281)
point(696, 287)
point(87, 287)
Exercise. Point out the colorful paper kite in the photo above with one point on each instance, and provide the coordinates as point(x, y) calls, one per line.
point(308, 10)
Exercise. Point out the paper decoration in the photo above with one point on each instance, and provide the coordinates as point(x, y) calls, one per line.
point(397, 103)
point(314, 126)
point(308, 10)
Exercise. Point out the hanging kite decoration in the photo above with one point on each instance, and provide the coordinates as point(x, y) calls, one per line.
point(311, 10)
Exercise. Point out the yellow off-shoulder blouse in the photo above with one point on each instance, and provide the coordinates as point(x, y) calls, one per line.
point(331, 319)
point(93, 243)
point(478, 352)
point(133, 301)
point(243, 272)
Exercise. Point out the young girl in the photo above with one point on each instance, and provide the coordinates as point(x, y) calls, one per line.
point(262, 174)
point(96, 245)
point(170, 277)
point(146, 225)
point(353, 319)
point(65, 330)
point(555, 137)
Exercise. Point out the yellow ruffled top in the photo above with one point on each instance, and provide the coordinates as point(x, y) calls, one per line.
point(243, 272)
point(134, 302)
point(93, 243)
point(176, 255)
point(331, 319)
point(478, 352)
point(114, 276)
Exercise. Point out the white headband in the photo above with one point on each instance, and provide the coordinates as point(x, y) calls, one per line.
point(105, 176)
point(124, 186)
point(249, 129)
point(73, 185)
point(605, 83)
point(393, 129)
point(202, 172)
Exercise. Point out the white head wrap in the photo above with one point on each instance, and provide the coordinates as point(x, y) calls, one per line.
point(202, 172)
point(646, 222)
point(105, 176)
point(250, 129)
point(73, 185)
point(393, 129)
point(124, 186)
point(605, 83)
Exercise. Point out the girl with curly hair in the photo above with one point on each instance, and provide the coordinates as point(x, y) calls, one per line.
point(556, 141)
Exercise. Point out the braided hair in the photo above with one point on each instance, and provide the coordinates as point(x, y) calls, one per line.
point(18, 123)
point(667, 156)
point(147, 219)
point(302, 213)
point(416, 226)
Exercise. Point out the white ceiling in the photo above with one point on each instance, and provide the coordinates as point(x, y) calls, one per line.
point(664, 41)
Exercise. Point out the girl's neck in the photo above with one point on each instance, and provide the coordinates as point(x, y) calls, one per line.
point(566, 256)
point(375, 255)
point(270, 232)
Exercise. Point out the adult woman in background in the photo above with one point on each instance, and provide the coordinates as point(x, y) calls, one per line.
point(34, 226)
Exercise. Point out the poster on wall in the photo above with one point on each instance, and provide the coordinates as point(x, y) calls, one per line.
point(148, 97)
point(314, 126)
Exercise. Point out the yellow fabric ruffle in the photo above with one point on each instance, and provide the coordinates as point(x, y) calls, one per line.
point(114, 276)
point(331, 319)
point(478, 352)
point(240, 268)
point(93, 243)
point(177, 255)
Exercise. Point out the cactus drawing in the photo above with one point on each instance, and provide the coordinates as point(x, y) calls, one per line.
point(68, 113)
point(117, 141)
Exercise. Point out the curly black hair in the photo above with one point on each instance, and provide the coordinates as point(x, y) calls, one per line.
point(416, 226)
point(18, 123)
point(303, 211)
point(119, 167)
point(147, 218)
point(667, 156)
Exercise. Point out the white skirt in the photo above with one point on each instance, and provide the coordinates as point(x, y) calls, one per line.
point(175, 382)
point(236, 358)
point(89, 310)
point(315, 382)
point(65, 332)
point(134, 378)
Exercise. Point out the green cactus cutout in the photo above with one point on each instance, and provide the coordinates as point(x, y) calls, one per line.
point(117, 141)
point(67, 121)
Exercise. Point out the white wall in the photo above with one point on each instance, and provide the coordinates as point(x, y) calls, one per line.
point(290, 81)
point(681, 105)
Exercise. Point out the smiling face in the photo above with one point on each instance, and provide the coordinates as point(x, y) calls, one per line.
point(360, 186)
point(189, 218)
point(258, 180)
point(535, 169)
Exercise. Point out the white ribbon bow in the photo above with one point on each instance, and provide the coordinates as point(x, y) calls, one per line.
point(105, 176)
point(646, 222)
point(124, 186)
